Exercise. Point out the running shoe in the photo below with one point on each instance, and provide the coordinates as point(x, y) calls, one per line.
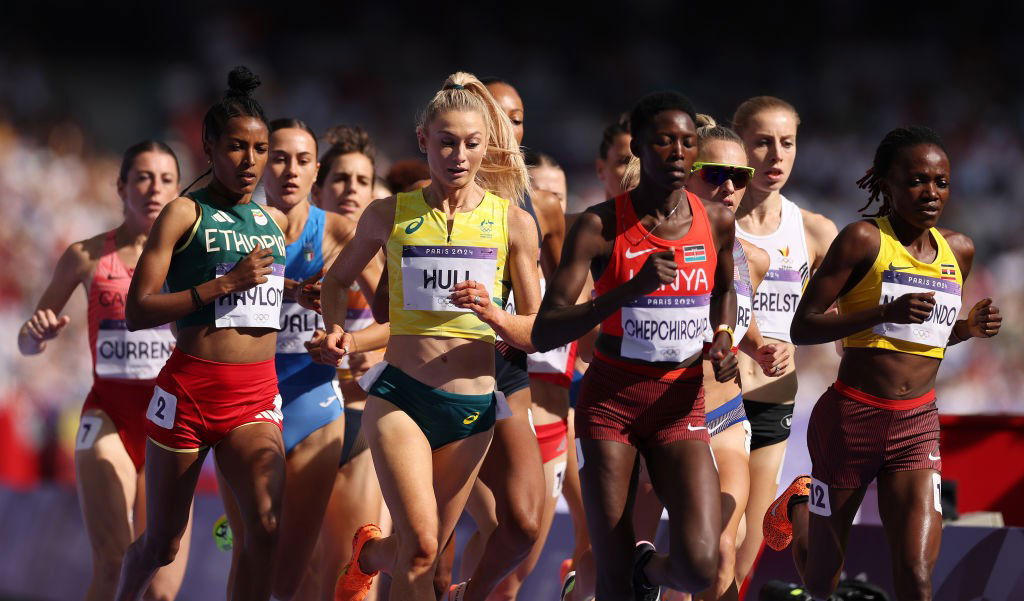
point(643, 590)
point(568, 584)
point(457, 592)
point(565, 568)
point(353, 584)
point(222, 536)
point(777, 590)
point(778, 529)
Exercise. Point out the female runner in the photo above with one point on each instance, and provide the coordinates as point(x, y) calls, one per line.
point(222, 257)
point(663, 269)
point(452, 248)
point(720, 176)
point(795, 240)
point(898, 282)
point(110, 447)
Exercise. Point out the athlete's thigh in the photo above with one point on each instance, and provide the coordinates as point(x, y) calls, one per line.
point(311, 469)
point(403, 460)
point(171, 479)
point(106, 480)
point(251, 459)
point(513, 468)
point(733, 463)
point(910, 508)
point(684, 477)
point(455, 468)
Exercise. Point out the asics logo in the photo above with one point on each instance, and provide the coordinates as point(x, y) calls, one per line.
point(692, 429)
point(897, 267)
point(472, 417)
point(415, 225)
point(632, 255)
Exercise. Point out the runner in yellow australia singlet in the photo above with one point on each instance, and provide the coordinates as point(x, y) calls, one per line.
point(452, 250)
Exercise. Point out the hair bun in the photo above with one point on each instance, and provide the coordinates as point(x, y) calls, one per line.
point(343, 134)
point(242, 81)
point(705, 120)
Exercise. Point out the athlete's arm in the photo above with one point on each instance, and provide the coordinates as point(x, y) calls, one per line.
point(372, 337)
point(723, 294)
point(552, 227)
point(371, 234)
point(820, 232)
point(73, 267)
point(522, 259)
point(983, 320)
point(773, 358)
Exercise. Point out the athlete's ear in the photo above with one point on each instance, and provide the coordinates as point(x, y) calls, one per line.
point(208, 152)
point(634, 146)
point(421, 138)
point(599, 168)
point(120, 189)
point(314, 192)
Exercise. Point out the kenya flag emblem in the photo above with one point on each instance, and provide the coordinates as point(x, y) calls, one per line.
point(694, 254)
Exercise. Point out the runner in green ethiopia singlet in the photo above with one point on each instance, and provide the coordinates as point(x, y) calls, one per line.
point(220, 237)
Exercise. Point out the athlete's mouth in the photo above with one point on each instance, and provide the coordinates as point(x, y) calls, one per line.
point(773, 173)
point(289, 187)
point(247, 176)
point(457, 171)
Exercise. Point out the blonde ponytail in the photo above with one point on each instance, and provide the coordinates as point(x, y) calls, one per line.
point(631, 176)
point(503, 170)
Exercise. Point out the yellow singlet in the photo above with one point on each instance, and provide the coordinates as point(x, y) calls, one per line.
point(425, 262)
point(895, 273)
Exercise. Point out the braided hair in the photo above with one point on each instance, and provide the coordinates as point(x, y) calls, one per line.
point(893, 142)
point(238, 101)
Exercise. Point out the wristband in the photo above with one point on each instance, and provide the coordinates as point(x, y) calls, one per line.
point(728, 330)
point(197, 300)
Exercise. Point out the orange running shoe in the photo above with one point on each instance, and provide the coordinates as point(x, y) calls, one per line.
point(565, 568)
point(353, 584)
point(778, 530)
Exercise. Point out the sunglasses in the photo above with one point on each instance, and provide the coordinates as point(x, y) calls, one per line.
point(717, 174)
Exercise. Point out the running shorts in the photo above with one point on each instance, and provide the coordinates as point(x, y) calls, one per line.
point(444, 417)
point(510, 375)
point(635, 404)
point(124, 403)
point(852, 439)
point(723, 417)
point(552, 440)
point(306, 410)
point(354, 442)
point(769, 422)
point(197, 402)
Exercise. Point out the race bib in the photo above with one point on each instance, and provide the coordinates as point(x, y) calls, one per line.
point(297, 326)
point(664, 328)
point(934, 332)
point(559, 479)
point(125, 355)
point(818, 502)
point(430, 272)
point(257, 307)
point(776, 300)
point(555, 361)
point(744, 313)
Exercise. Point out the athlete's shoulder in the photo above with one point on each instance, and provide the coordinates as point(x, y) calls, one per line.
point(519, 221)
point(79, 257)
point(961, 244)
point(720, 215)
point(859, 238)
point(277, 215)
point(545, 202)
point(821, 228)
point(757, 258)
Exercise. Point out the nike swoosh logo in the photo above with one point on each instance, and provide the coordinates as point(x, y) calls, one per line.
point(633, 255)
point(897, 268)
point(933, 458)
point(692, 429)
point(718, 426)
point(111, 276)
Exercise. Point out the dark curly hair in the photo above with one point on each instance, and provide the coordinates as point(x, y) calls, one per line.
point(893, 142)
point(343, 140)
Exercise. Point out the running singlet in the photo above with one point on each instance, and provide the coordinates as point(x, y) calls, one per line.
point(425, 263)
point(221, 237)
point(118, 354)
point(304, 259)
point(668, 324)
point(740, 283)
point(896, 272)
point(788, 272)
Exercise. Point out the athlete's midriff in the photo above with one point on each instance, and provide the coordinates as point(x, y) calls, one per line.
point(458, 365)
point(888, 374)
point(228, 345)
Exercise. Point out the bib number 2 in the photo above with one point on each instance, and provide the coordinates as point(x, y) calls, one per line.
point(818, 504)
point(162, 408)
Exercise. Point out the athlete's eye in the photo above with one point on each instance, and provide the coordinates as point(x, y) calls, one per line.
point(942, 183)
point(262, 148)
point(788, 144)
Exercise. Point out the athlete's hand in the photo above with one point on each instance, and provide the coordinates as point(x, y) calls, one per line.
point(308, 292)
point(984, 319)
point(250, 271)
point(45, 325)
point(722, 358)
point(773, 359)
point(659, 269)
point(474, 296)
point(314, 344)
point(915, 307)
point(336, 345)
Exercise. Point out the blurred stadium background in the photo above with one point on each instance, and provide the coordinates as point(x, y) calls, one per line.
point(79, 83)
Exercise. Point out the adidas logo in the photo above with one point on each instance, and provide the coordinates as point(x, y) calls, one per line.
point(272, 415)
point(222, 217)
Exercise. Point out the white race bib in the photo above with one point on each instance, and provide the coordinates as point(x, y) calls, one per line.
point(125, 355)
point(297, 326)
point(555, 361)
point(257, 307)
point(430, 272)
point(664, 328)
point(776, 300)
point(935, 331)
point(744, 312)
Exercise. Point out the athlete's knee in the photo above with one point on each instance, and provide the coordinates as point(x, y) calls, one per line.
point(696, 569)
point(419, 550)
point(261, 530)
point(522, 528)
point(159, 550)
